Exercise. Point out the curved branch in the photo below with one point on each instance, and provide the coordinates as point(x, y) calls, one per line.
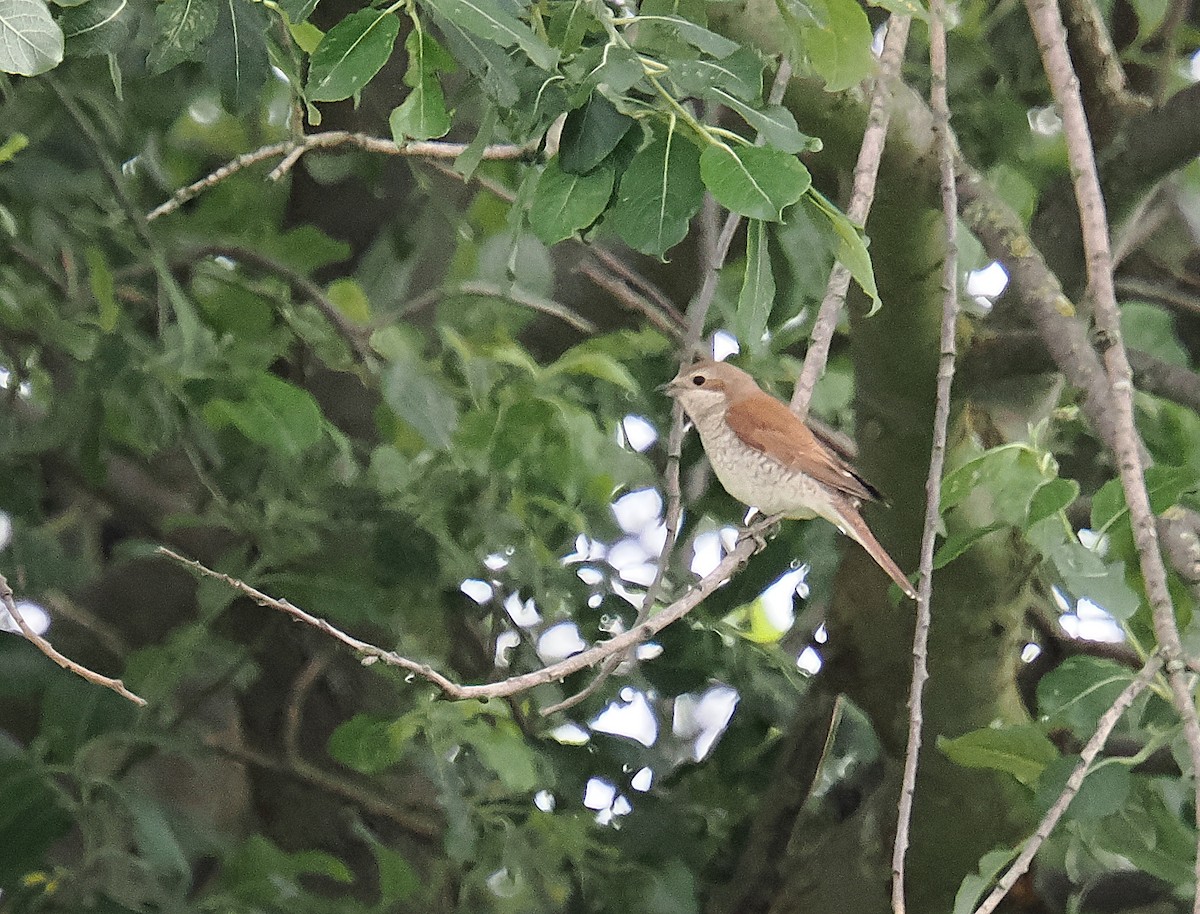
point(866, 170)
point(354, 335)
point(514, 684)
point(293, 149)
point(10, 605)
point(1047, 25)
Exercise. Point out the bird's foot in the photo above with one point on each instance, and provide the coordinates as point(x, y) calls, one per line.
point(760, 531)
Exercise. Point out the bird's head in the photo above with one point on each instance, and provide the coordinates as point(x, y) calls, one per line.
point(707, 386)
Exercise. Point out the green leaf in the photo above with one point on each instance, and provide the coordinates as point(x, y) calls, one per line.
point(1078, 692)
point(96, 27)
point(182, 26)
point(1150, 835)
point(487, 19)
point(971, 890)
point(8, 151)
point(31, 42)
point(840, 51)
point(852, 248)
point(370, 744)
point(100, 279)
point(590, 133)
point(774, 123)
point(696, 35)
point(1151, 329)
point(1050, 498)
point(236, 56)
point(617, 68)
point(350, 55)
point(583, 361)
point(1103, 793)
point(272, 413)
point(739, 75)
point(502, 749)
point(418, 397)
point(568, 24)
point(298, 11)
point(958, 543)
point(1086, 575)
point(659, 193)
point(757, 182)
point(307, 36)
point(468, 160)
point(1021, 750)
point(565, 203)
point(422, 115)
point(425, 56)
point(903, 8)
point(350, 299)
point(487, 62)
point(758, 288)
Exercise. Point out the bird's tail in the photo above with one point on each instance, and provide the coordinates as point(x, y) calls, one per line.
point(851, 522)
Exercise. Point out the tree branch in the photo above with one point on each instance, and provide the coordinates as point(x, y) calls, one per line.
point(293, 149)
point(1104, 727)
point(354, 335)
point(514, 684)
point(9, 604)
point(1105, 87)
point(1047, 25)
point(937, 459)
point(866, 170)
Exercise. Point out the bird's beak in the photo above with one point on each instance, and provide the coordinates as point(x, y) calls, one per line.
point(669, 388)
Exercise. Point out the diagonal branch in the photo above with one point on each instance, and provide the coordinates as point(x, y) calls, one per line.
point(1047, 25)
point(865, 172)
point(1104, 728)
point(514, 684)
point(10, 605)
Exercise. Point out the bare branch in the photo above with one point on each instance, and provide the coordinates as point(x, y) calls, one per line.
point(9, 604)
point(369, 800)
point(1104, 727)
point(937, 458)
point(293, 149)
point(1047, 25)
point(354, 335)
point(542, 305)
point(514, 684)
point(863, 195)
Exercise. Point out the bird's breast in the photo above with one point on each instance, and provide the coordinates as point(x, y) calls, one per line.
point(756, 479)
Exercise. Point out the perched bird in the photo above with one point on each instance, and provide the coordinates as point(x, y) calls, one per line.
point(767, 458)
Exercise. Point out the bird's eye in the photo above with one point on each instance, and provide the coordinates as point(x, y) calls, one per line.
point(698, 380)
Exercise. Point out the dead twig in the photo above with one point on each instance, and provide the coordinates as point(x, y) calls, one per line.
point(6, 599)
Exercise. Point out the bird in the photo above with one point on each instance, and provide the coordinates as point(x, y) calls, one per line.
point(768, 458)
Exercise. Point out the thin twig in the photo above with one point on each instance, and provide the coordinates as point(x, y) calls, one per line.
point(354, 335)
point(1104, 728)
point(629, 298)
point(514, 684)
point(637, 280)
point(1056, 60)
point(866, 170)
point(937, 457)
point(9, 604)
point(367, 799)
point(293, 149)
point(517, 296)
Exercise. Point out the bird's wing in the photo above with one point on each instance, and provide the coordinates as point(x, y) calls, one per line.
point(767, 425)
